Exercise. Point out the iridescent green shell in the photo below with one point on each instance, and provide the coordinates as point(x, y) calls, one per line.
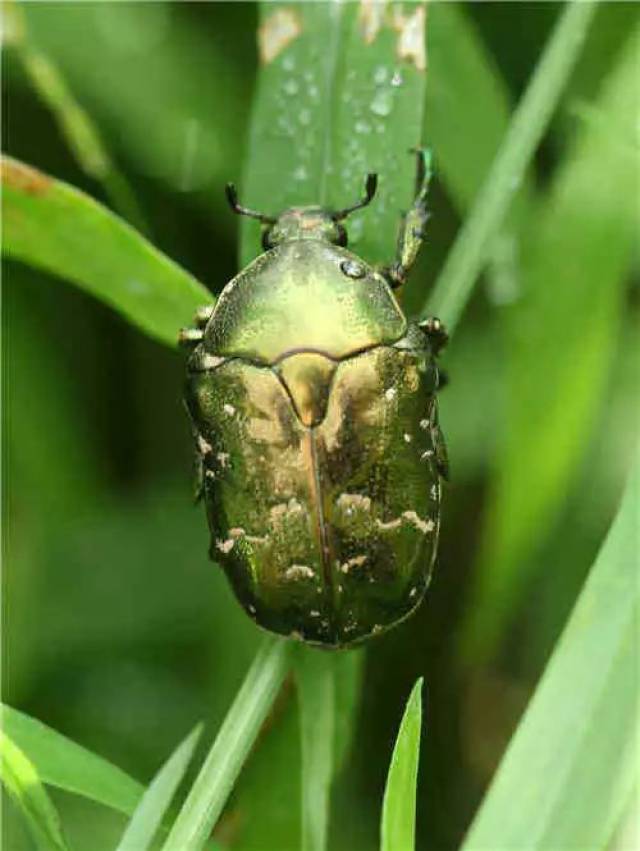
point(315, 417)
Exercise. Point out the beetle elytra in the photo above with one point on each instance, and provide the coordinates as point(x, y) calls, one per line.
point(313, 405)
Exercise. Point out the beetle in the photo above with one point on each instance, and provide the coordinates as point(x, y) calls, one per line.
point(312, 401)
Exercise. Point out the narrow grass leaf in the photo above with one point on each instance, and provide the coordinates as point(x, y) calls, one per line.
point(562, 334)
point(230, 749)
point(65, 764)
point(76, 125)
point(340, 93)
point(398, 824)
point(315, 676)
point(51, 225)
point(155, 802)
point(473, 246)
point(21, 781)
point(573, 759)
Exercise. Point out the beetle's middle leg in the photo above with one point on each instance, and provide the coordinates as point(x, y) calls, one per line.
point(192, 336)
point(412, 226)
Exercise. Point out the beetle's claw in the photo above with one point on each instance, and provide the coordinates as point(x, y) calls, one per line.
point(436, 332)
point(190, 336)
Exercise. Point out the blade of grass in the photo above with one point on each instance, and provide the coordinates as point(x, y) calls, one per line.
point(315, 676)
point(340, 93)
point(398, 825)
point(21, 781)
point(51, 225)
point(473, 245)
point(573, 758)
point(155, 802)
point(562, 334)
point(230, 749)
point(76, 126)
point(67, 765)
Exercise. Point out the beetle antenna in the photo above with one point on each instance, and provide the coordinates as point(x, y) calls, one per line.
point(370, 187)
point(232, 197)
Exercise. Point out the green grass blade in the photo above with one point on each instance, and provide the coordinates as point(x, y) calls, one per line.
point(76, 125)
point(473, 246)
point(65, 764)
point(315, 674)
point(568, 772)
point(340, 93)
point(398, 824)
point(155, 802)
point(25, 787)
point(562, 334)
point(230, 749)
point(51, 225)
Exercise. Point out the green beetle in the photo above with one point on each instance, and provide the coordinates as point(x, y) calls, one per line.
point(313, 406)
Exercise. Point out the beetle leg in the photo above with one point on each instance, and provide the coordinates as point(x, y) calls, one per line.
point(190, 337)
point(412, 226)
point(203, 315)
point(440, 447)
point(436, 332)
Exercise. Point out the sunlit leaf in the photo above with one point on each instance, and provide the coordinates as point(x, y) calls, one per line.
point(230, 749)
point(67, 765)
point(399, 806)
point(51, 225)
point(573, 760)
point(21, 781)
point(474, 243)
point(562, 335)
point(157, 798)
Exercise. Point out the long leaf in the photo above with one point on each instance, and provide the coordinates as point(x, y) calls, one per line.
point(230, 749)
point(51, 225)
point(340, 93)
point(399, 804)
point(316, 696)
point(473, 246)
point(155, 802)
point(65, 764)
point(562, 335)
point(569, 770)
point(21, 781)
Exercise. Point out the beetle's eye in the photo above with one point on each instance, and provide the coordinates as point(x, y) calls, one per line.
point(342, 236)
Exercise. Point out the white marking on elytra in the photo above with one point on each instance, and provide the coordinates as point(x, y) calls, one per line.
point(423, 526)
point(356, 561)
point(223, 458)
point(424, 424)
point(204, 446)
point(228, 409)
point(252, 609)
point(314, 613)
point(407, 437)
point(390, 394)
point(225, 546)
point(434, 492)
point(299, 571)
point(427, 454)
point(413, 592)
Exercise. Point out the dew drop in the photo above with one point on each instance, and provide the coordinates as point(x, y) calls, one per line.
point(382, 103)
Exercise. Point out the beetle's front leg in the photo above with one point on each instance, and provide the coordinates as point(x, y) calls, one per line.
point(192, 336)
point(412, 226)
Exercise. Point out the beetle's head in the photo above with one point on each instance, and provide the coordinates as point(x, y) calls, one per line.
point(304, 222)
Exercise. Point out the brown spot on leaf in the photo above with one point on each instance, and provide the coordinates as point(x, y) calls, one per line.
point(370, 18)
point(411, 36)
point(22, 177)
point(278, 30)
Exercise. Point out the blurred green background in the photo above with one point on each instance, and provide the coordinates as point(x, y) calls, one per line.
point(118, 631)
